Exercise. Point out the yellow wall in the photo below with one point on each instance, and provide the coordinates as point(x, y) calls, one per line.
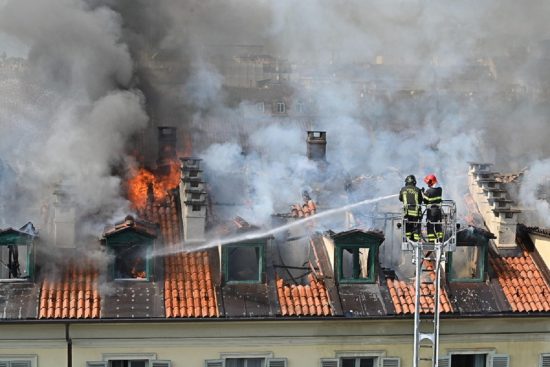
point(303, 343)
point(542, 245)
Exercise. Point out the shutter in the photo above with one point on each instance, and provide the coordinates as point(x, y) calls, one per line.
point(161, 363)
point(3, 364)
point(545, 360)
point(444, 362)
point(213, 363)
point(96, 364)
point(330, 362)
point(20, 364)
point(391, 362)
point(501, 360)
point(276, 362)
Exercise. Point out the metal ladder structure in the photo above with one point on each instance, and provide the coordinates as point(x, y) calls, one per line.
point(429, 260)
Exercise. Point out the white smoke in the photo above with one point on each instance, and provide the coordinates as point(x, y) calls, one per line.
point(69, 112)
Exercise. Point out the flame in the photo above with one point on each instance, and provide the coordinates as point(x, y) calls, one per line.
point(145, 185)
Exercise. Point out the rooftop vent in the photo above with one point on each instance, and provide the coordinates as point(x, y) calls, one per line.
point(317, 145)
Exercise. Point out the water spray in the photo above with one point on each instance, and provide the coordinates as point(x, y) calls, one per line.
point(272, 231)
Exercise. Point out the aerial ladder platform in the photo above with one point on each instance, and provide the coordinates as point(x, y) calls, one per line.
point(429, 260)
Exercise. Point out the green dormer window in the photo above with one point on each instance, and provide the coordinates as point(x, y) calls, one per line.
point(244, 262)
point(356, 254)
point(468, 263)
point(17, 253)
point(131, 244)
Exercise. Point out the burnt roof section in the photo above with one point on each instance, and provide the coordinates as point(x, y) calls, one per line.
point(19, 300)
point(132, 299)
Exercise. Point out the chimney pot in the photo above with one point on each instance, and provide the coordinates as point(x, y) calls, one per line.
point(317, 145)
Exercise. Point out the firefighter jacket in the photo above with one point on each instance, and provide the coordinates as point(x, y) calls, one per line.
point(411, 196)
point(433, 195)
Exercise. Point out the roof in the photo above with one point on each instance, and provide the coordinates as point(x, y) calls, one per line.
point(71, 294)
point(522, 282)
point(188, 286)
point(403, 294)
point(303, 300)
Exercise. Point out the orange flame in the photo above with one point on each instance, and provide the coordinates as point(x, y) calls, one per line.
point(143, 183)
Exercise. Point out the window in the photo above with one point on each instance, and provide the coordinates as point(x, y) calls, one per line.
point(131, 263)
point(193, 173)
point(355, 256)
point(300, 107)
point(195, 196)
point(243, 262)
point(15, 261)
point(129, 363)
point(357, 362)
point(260, 107)
point(196, 208)
point(355, 263)
point(16, 257)
point(245, 362)
point(18, 361)
point(280, 107)
point(194, 184)
point(467, 264)
point(469, 360)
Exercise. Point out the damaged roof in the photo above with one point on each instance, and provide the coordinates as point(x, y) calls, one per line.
point(300, 284)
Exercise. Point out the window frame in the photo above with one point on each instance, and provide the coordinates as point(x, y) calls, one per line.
point(282, 110)
point(19, 239)
point(261, 266)
point(126, 239)
point(482, 263)
point(373, 252)
point(32, 358)
point(488, 354)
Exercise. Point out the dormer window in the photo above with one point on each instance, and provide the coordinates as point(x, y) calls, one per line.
point(16, 253)
point(356, 254)
point(131, 244)
point(244, 262)
point(468, 262)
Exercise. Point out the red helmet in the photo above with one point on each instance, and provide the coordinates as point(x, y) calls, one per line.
point(430, 180)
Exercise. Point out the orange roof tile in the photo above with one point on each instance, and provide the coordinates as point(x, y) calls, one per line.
point(303, 300)
point(403, 294)
point(188, 285)
point(522, 283)
point(72, 294)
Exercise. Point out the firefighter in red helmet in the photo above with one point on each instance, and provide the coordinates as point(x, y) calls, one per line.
point(432, 199)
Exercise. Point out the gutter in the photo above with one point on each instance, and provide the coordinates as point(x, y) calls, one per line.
point(68, 322)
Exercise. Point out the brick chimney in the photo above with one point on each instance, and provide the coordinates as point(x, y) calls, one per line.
point(494, 205)
point(193, 200)
point(64, 220)
point(317, 145)
point(167, 140)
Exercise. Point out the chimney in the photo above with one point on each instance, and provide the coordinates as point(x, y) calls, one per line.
point(167, 139)
point(64, 218)
point(494, 205)
point(317, 145)
point(193, 200)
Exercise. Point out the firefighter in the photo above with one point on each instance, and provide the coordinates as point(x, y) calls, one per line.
point(411, 196)
point(432, 199)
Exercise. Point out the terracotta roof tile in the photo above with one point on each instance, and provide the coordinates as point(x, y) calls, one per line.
point(303, 300)
point(403, 294)
point(188, 287)
point(522, 283)
point(71, 294)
